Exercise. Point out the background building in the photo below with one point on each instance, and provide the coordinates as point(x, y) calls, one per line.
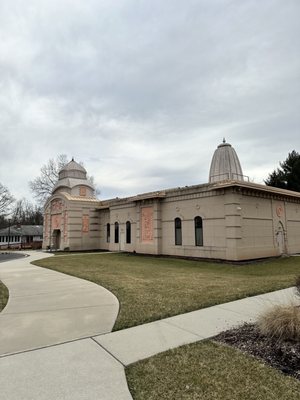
point(21, 237)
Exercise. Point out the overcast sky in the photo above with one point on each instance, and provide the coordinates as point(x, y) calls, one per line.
point(142, 92)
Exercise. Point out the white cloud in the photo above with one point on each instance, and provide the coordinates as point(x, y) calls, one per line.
point(143, 92)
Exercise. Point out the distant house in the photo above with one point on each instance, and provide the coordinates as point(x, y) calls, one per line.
point(21, 236)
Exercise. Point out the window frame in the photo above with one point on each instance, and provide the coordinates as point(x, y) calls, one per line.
point(108, 232)
point(128, 232)
point(198, 229)
point(178, 231)
point(116, 232)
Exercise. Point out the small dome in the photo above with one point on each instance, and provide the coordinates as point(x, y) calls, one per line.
point(225, 164)
point(72, 178)
point(72, 170)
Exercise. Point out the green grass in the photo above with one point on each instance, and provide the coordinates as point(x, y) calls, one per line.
point(3, 296)
point(151, 288)
point(208, 371)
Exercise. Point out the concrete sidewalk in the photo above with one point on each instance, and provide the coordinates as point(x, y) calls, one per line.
point(91, 367)
point(47, 307)
point(140, 342)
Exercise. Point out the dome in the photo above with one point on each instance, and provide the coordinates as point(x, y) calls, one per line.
point(225, 164)
point(72, 170)
point(73, 176)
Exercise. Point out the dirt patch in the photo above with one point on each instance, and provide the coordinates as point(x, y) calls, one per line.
point(284, 356)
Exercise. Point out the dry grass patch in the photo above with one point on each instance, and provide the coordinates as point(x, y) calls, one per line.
point(3, 296)
point(208, 371)
point(152, 288)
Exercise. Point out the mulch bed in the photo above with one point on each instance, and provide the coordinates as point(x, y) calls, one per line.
point(284, 356)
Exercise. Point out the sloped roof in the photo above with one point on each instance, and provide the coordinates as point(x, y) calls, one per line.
point(23, 230)
point(72, 170)
point(72, 182)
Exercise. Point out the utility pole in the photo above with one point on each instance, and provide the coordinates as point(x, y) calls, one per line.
point(9, 221)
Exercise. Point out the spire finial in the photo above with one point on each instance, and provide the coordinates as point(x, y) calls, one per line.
point(224, 141)
point(72, 158)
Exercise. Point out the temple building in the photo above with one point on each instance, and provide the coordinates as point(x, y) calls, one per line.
point(228, 218)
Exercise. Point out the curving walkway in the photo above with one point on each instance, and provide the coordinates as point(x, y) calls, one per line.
point(43, 351)
point(47, 307)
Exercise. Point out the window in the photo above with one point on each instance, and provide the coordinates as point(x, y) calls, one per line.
point(128, 232)
point(178, 232)
point(107, 233)
point(116, 232)
point(198, 231)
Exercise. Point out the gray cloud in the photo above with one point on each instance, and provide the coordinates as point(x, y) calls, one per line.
point(143, 92)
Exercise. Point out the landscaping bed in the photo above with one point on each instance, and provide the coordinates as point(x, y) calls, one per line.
point(282, 355)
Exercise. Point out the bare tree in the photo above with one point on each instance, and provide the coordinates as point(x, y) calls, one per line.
point(26, 213)
point(42, 186)
point(6, 200)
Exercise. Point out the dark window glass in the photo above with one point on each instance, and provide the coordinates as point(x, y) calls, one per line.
point(198, 231)
point(178, 232)
point(107, 233)
point(128, 232)
point(116, 232)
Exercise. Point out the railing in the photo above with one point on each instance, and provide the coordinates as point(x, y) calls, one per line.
point(228, 176)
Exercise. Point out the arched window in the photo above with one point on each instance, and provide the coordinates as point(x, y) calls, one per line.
point(116, 232)
point(198, 231)
point(128, 232)
point(178, 232)
point(107, 233)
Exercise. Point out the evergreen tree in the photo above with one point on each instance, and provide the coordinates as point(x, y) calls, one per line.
point(287, 176)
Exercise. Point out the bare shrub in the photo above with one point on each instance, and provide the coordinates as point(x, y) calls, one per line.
point(281, 322)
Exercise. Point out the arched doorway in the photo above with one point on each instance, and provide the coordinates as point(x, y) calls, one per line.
point(280, 238)
point(56, 239)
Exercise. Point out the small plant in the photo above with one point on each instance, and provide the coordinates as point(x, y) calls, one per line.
point(281, 323)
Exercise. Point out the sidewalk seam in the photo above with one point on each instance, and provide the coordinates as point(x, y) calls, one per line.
point(182, 329)
point(111, 354)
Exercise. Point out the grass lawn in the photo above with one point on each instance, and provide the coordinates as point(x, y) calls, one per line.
point(3, 295)
point(151, 288)
point(208, 371)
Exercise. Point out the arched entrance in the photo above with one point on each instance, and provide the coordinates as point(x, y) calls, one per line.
point(280, 238)
point(56, 239)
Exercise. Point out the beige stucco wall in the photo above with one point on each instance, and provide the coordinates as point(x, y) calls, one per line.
point(187, 207)
point(71, 216)
point(121, 214)
point(237, 224)
point(269, 227)
point(257, 228)
point(292, 215)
